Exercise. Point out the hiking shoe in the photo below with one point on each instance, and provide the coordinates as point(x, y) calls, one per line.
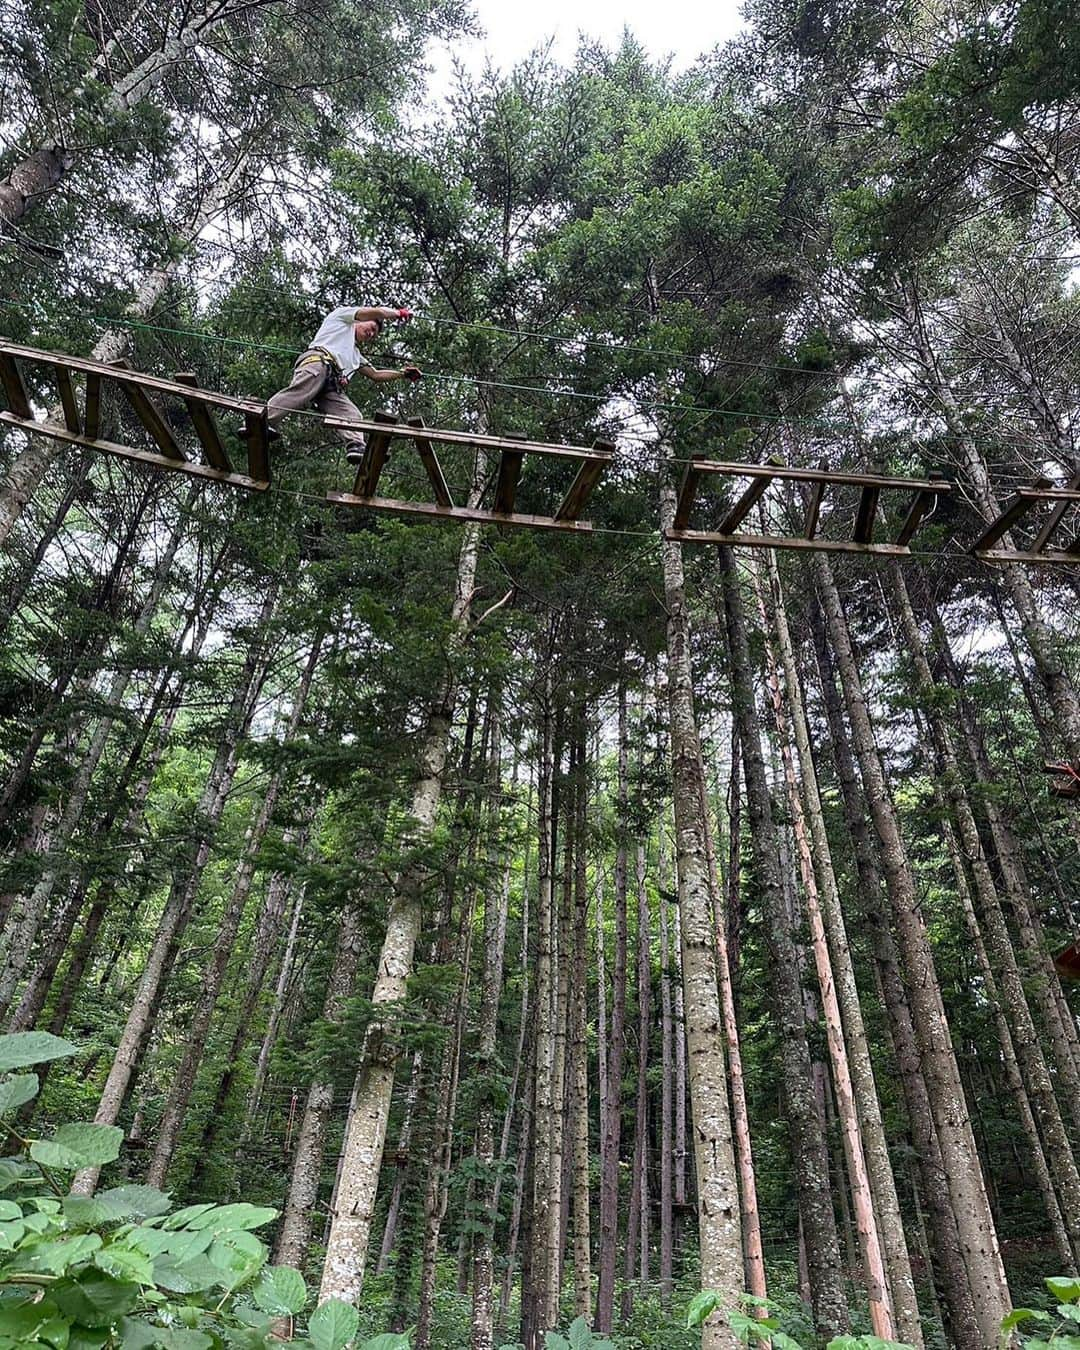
point(355, 452)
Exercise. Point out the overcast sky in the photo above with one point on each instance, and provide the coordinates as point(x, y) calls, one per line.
point(679, 28)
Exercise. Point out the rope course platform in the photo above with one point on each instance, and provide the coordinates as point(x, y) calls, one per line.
point(154, 402)
point(590, 464)
point(815, 483)
point(1042, 492)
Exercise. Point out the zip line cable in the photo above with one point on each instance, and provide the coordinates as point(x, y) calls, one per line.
point(842, 427)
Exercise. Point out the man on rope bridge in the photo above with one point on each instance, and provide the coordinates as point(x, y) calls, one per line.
point(323, 370)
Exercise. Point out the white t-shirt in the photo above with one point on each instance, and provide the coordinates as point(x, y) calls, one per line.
point(338, 338)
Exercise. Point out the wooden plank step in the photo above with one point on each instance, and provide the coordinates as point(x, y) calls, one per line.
point(921, 504)
point(147, 414)
point(506, 482)
point(1015, 509)
point(431, 463)
point(202, 419)
point(258, 447)
point(194, 470)
point(14, 389)
point(863, 532)
point(1056, 516)
point(152, 383)
point(375, 452)
point(92, 405)
point(813, 509)
point(469, 514)
point(66, 391)
point(581, 489)
point(687, 492)
point(752, 493)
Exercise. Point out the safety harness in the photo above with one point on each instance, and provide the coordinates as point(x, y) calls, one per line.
point(334, 377)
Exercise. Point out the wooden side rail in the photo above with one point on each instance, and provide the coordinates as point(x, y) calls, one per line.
point(147, 396)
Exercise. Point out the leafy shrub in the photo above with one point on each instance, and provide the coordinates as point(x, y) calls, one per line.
point(754, 1328)
point(122, 1268)
point(1058, 1330)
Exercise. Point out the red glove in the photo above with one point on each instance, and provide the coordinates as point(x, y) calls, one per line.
point(411, 372)
point(404, 315)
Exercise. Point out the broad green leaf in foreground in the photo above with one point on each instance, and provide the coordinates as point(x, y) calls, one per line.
point(81, 1145)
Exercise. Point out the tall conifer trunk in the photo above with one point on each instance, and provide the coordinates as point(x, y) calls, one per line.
point(718, 1200)
point(963, 1173)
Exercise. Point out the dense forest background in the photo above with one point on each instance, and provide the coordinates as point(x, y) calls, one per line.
point(554, 925)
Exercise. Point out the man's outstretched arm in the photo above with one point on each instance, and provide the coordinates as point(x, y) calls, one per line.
point(385, 376)
point(384, 312)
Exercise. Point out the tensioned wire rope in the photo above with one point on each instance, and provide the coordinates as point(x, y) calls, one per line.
point(844, 428)
point(639, 406)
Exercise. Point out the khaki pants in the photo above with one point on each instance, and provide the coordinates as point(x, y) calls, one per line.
point(311, 387)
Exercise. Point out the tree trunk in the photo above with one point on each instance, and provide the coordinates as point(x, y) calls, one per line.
point(878, 1291)
point(881, 1179)
point(23, 925)
point(168, 1131)
point(579, 1051)
point(350, 1230)
point(294, 1235)
point(979, 1243)
point(718, 1200)
point(637, 1231)
point(1029, 1056)
point(542, 1288)
point(949, 1268)
point(667, 1062)
point(809, 1151)
point(611, 1141)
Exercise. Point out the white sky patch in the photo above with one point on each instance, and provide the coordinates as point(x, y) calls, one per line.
point(681, 29)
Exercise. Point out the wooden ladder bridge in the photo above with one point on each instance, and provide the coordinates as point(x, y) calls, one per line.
point(814, 483)
point(180, 420)
point(154, 401)
point(381, 432)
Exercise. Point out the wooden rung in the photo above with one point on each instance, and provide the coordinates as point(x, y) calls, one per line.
point(586, 478)
point(67, 398)
point(813, 509)
point(753, 492)
point(431, 463)
point(506, 483)
point(202, 419)
point(864, 516)
point(148, 415)
point(92, 409)
point(14, 389)
point(1018, 507)
point(687, 493)
point(922, 502)
point(1056, 516)
point(375, 452)
point(258, 447)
